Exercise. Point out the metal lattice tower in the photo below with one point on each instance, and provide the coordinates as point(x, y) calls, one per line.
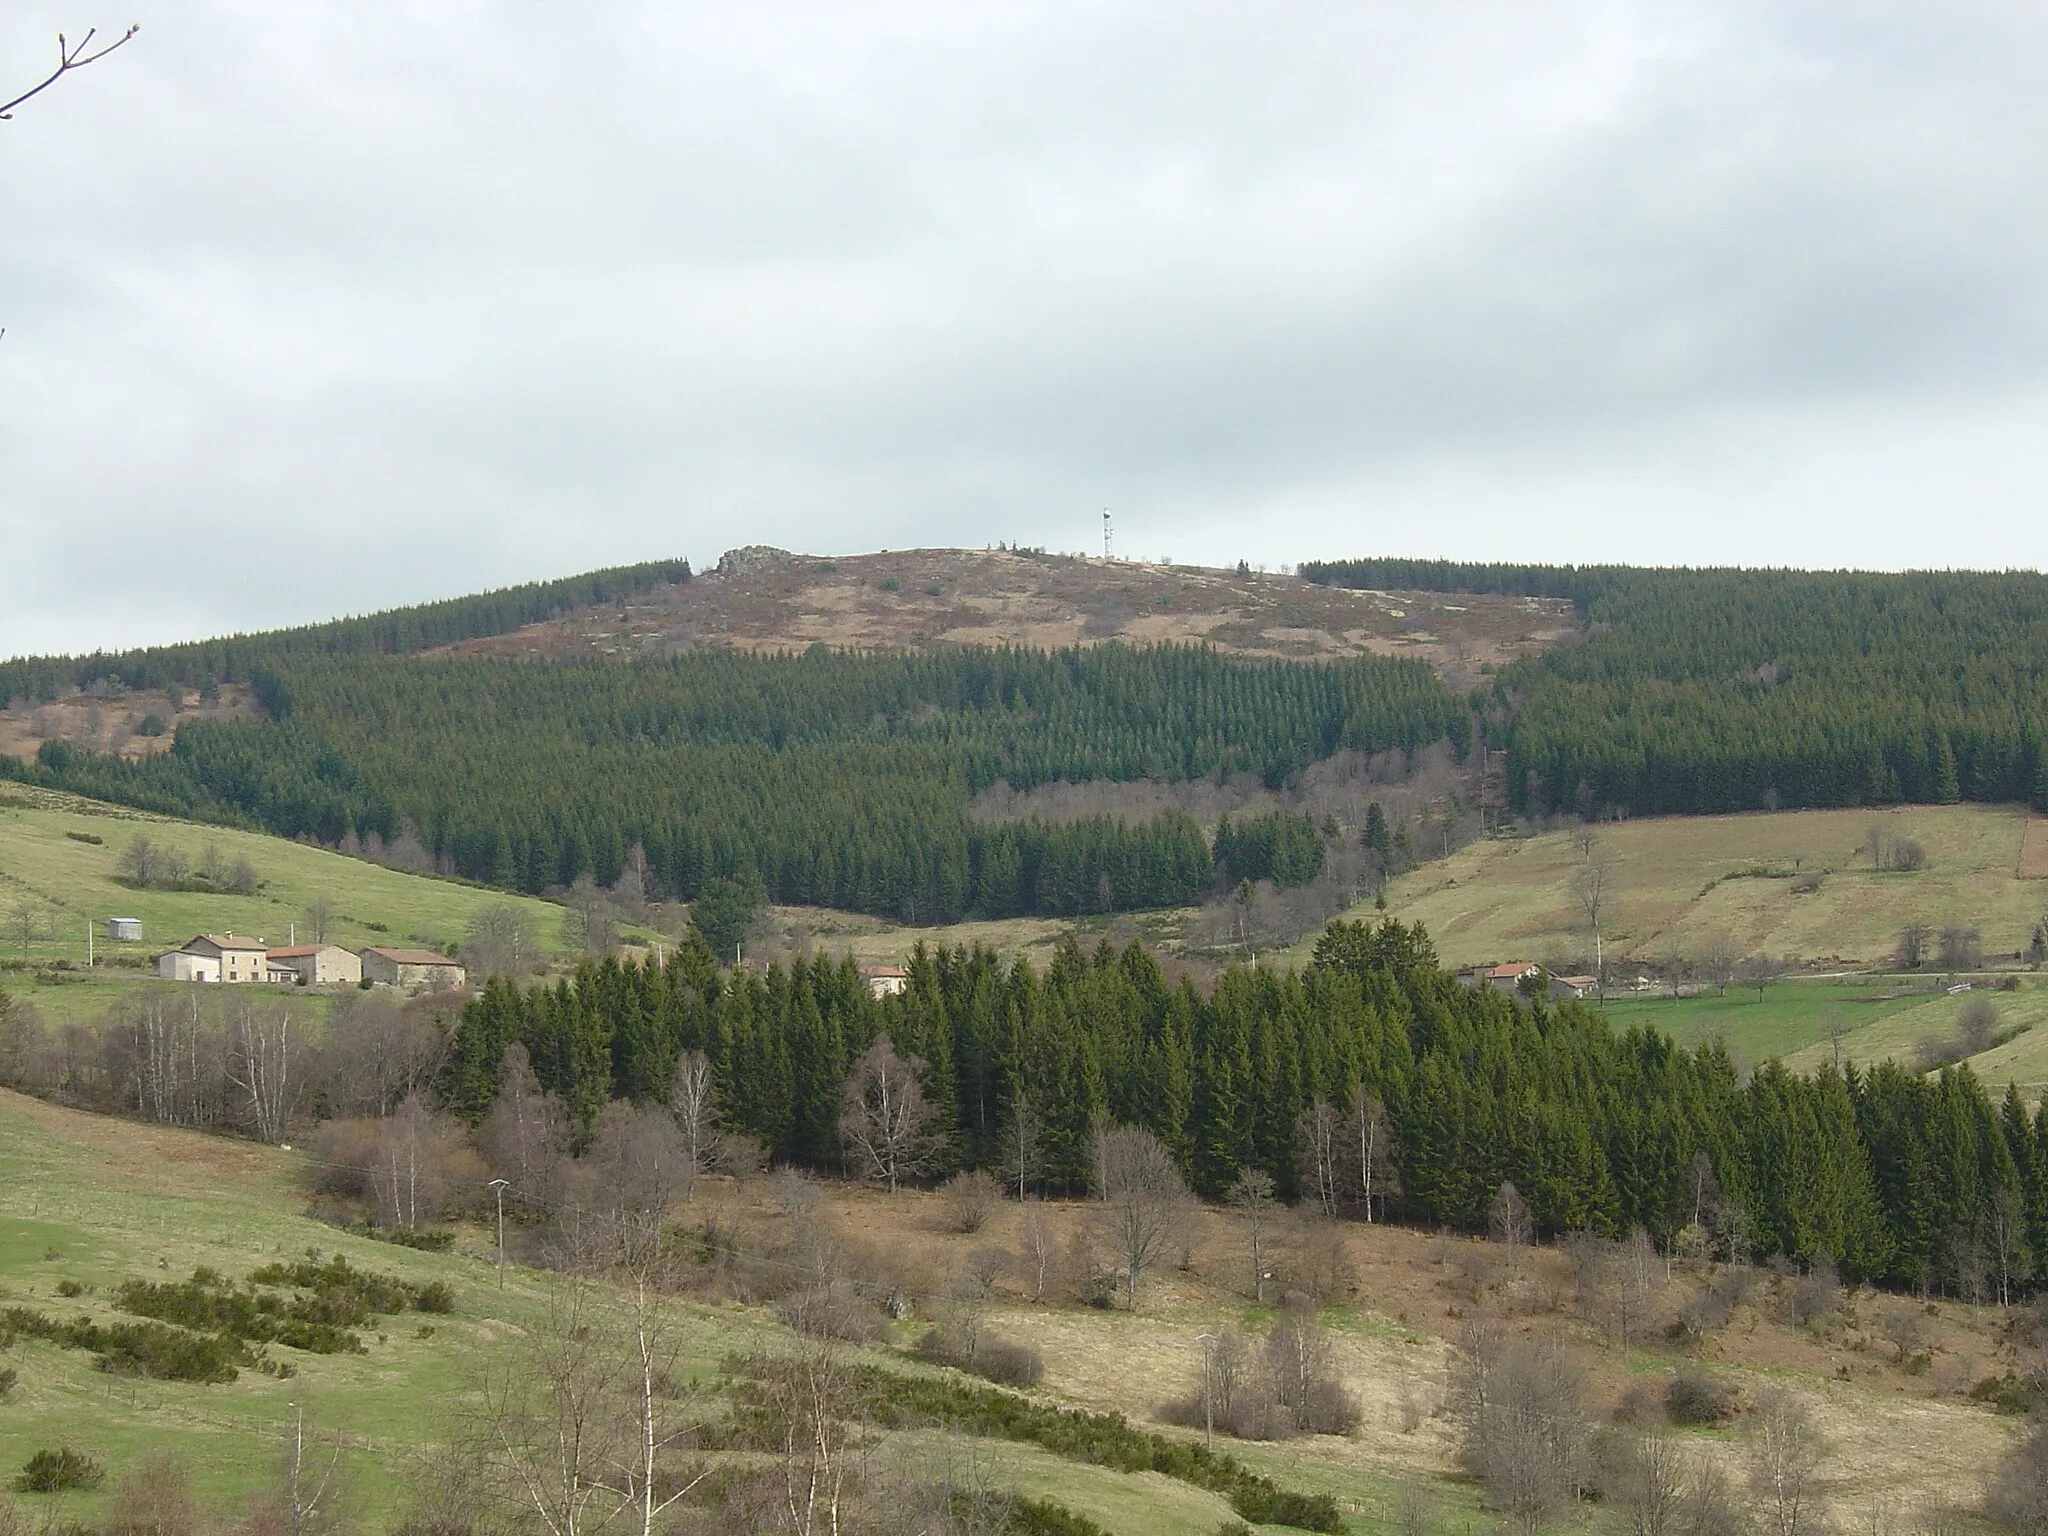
point(1108, 540)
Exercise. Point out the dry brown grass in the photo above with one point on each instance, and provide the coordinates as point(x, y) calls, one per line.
point(110, 723)
point(1897, 1441)
point(888, 601)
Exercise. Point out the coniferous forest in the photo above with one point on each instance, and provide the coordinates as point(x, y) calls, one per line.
point(1701, 691)
point(1897, 1178)
point(844, 780)
point(839, 780)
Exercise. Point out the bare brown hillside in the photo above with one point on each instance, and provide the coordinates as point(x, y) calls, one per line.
point(113, 721)
point(766, 600)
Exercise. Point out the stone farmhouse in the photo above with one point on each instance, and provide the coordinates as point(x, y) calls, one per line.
point(218, 957)
point(319, 965)
point(413, 969)
point(228, 960)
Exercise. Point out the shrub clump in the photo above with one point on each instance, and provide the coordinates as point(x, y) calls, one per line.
point(1288, 1387)
point(351, 1296)
point(1698, 1397)
point(59, 1471)
point(142, 1349)
point(1102, 1439)
point(1006, 1364)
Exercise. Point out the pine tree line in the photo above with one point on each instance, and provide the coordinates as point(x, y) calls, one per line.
point(395, 632)
point(1906, 1180)
point(1701, 691)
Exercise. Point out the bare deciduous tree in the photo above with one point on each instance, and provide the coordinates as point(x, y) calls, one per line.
point(886, 1121)
point(319, 914)
point(971, 1198)
point(28, 923)
point(1508, 1216)
point(1758, 970)
point(142, 863)
point(2006, 1233)
point(525, 1138)
point(153, 1500)
point(1023, 1151)
point(1718, 956)
point(502, 940)
point(1317, 1133)
point(264, 1053)
point(1301, 1368)
point(1252, 1198)
point(1659, 1490)
point(375, 1052)
point(1527, 1435)
point(573, 1430)
point(423, 1165)
point(1962, 947)
point(629, 1177)
point(2018, 1495)
point(1785, 1454)
point(311, 1483)
point(806, 1391)
point(1372, 1136)
point(588, 919)
point(1141, 1196)
point(693, 1101)
point(1977, 1025)
point(1593, 890)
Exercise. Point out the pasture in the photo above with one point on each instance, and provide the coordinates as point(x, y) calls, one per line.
point(60, 855)
point(1797, 884)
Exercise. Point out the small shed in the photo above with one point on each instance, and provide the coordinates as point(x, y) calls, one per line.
point(125, 930)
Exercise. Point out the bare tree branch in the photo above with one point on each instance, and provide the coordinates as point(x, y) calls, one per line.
point(68, 59)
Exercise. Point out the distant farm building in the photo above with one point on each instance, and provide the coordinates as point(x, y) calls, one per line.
point(317, 965)
point(1574, 986)
point(413, 970)
point(1506, 978)
point(124, 930)
point(220, 957)
point(884, 980)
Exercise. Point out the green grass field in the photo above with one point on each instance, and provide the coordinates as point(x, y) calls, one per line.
point(1790, 1017)
point(94, 1201)
point(74, 883)
point(1681, 882)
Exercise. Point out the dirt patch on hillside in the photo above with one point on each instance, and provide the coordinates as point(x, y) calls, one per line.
point(902, 600)
point(113, 721)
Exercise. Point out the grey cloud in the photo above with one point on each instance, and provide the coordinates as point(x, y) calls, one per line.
point(467, 294)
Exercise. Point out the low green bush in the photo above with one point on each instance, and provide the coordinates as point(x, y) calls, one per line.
point(151, 1349)
point(1108, 1440)
point(59, 1471)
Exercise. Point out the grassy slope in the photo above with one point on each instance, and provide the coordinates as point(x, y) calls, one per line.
point(113, 1200)
point(1807, 1022)
point(1503, 900)
point(78, 881)
point(97, 1201)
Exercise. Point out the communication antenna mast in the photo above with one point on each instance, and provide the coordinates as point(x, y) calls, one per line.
point(1108, 540)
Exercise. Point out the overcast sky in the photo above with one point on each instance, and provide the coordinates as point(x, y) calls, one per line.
point(315, 308)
